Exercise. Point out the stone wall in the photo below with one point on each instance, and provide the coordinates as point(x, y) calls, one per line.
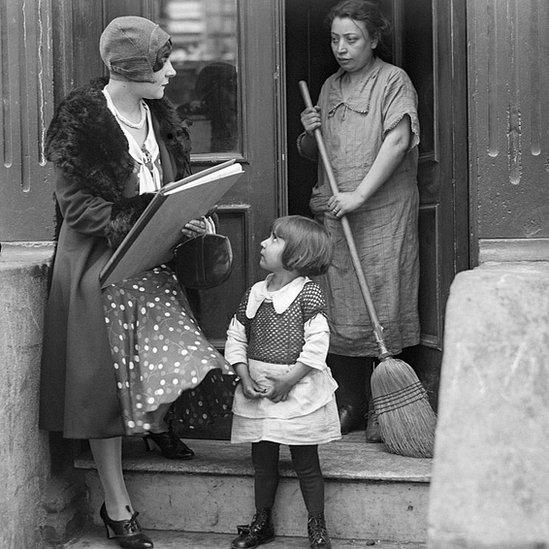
point(40, 493)
point(490, 484)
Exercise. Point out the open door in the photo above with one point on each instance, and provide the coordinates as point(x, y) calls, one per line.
point(429, 44)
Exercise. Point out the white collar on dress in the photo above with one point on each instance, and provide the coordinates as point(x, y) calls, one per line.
point(281, 299)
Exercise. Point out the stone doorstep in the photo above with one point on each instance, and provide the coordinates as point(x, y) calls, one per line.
point(370, 494)
point(95, 539)
point(348, 459)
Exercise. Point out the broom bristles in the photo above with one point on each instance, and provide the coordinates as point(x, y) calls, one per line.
point(406, 419)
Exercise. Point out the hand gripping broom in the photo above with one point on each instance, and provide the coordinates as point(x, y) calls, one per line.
point(406, 419)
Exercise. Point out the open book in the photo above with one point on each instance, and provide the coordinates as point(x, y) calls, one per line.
point(151, 240)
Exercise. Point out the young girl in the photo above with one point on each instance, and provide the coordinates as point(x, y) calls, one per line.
point(277, 342)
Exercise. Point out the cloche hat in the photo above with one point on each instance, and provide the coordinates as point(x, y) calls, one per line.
point(129, 46)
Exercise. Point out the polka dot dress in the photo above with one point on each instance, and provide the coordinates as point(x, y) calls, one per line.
point(159, 352)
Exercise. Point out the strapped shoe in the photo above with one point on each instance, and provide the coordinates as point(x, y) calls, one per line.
point(127, 533)
point(260, 531)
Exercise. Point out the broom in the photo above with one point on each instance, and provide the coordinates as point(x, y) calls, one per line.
point(406, 419)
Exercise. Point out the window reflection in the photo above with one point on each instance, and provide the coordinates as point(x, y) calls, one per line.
point(205, 56)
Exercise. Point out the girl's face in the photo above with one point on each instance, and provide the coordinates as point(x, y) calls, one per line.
point(352, 45)
point(155, 90)
point(271, 253)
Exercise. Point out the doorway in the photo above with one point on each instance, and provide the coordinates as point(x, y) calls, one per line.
point(429, 43)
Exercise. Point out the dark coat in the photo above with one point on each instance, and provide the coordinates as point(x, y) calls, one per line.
point(93, 169)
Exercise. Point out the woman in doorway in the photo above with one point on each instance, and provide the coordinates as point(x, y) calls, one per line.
point(114, 359)
point(367, 112)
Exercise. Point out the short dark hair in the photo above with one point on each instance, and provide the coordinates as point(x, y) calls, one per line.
point(361, 10)
point(308, 248)
point(162, 56)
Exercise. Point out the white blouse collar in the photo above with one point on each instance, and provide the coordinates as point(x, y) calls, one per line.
point(281, 299)
point(149, 181)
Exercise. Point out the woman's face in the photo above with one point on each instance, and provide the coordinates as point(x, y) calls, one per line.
point(155, 90)
point(352, 45)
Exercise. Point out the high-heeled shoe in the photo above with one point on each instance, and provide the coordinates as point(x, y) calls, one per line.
point(127, 532)
point(171, 446)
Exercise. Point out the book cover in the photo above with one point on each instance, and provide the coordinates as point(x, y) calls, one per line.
point(151, 240)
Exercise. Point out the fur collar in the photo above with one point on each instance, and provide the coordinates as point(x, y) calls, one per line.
point(86, 142)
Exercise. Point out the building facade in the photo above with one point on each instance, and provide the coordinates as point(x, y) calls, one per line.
point(481, 71)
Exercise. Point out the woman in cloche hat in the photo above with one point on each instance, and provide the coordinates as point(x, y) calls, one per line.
point(115, 359)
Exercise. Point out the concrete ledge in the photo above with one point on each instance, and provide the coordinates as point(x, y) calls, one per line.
point(342, 460)
point(490, 485)
point(21, 255)
point(513, 249)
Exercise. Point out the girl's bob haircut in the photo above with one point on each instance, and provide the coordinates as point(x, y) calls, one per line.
point(308, 247)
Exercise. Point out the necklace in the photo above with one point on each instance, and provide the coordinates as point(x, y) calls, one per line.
point(123, 119)
point(129, 123)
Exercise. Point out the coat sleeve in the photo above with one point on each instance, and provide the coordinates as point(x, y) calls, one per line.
point(94, 216)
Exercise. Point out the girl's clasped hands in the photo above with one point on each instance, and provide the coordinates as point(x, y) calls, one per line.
point(280, 386)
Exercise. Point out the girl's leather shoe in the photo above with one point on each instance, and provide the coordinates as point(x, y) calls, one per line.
point(318, 534)
point(171, 446)
point(127, 533)
point(260, 531)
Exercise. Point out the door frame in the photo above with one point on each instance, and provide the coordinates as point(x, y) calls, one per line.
point(443, 169)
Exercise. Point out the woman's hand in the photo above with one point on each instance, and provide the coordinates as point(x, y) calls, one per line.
point(280, 388)
point(310, 118)
point(344, 203)
point(193, 228)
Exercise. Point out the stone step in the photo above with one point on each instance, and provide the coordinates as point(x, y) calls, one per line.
point(370, 494)
point(96, 539)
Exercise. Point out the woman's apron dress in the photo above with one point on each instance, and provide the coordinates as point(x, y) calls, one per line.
point(385, 227)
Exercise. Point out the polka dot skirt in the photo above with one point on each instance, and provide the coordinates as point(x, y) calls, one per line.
point(160, 353)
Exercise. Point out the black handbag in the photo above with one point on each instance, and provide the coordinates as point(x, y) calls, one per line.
point(204, 261)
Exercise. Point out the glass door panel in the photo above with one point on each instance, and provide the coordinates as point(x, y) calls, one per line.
point(206, 89)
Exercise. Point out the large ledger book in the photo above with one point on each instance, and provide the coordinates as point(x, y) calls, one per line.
point(151, 240)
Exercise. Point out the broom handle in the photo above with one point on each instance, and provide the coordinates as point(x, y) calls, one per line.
point(378, 329)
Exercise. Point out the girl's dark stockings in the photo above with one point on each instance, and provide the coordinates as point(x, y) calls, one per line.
point(265, 457)
point(265, 462)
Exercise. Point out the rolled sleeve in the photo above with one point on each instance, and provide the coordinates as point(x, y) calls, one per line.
point(317, 340)
point(400, 99)
point(236, 348)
